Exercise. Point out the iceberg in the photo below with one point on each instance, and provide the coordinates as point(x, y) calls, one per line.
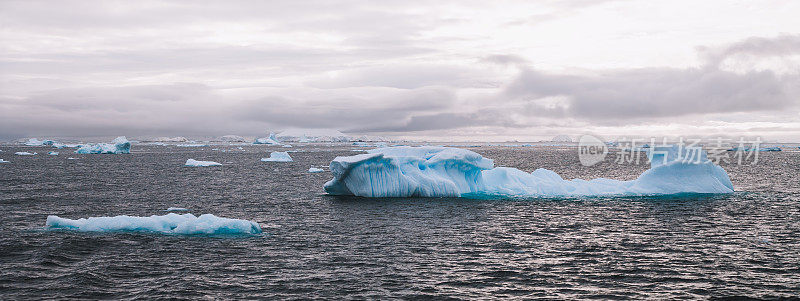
point(37, 142)
point(191, 145)
point(278, 157)
point(272, 140)
point(171, 223)
point(25, 154)
point(71, 158)
point(62, 145)
point(315, 170)
point(432, 171)
point(53, 153)
point(4, 161)
point(120, 145)
point(195, 163)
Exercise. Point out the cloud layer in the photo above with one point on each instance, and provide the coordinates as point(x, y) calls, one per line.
point(449, 69)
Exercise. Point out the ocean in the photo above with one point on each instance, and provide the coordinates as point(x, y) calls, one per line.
point(745, 244)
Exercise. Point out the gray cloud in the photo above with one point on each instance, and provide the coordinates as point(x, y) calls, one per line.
point(654, 92)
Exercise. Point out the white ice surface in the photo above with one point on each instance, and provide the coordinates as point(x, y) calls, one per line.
point(120, 145)
point(168, 224)
point(451, 172)
point(195, 163)
point(278, 157)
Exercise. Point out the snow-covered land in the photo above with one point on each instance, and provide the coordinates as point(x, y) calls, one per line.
point(269, 140)
point(313, 135)
point(25, 154)
point(561, 138)
point(278, 157)
point(120, 145)
point(171, 139)
point(451, 172)
point(195, 163)
point(168, 224)
point(232, 138)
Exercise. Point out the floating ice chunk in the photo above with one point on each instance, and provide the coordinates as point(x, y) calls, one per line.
point(4, 161)
point(195, 163)
point(270, 140)
point(120, 145)
point(278, 157)
point(25, 154)
point(176, 209)
point(53, 153)
point(191, 145)
point(71, 158)
point(315, 170)
point(286, 145)
point(451, 172)
point(168, 224)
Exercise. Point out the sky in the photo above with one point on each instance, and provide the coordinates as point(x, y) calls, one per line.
point(444, 70)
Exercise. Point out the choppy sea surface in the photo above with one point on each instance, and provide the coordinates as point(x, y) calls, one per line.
point(745, 244)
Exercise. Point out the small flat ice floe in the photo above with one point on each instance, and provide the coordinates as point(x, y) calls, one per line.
point(4, 161)
point(315, 170)
point(172, 223)
point(25, 154)
point(191, 145)
point(71, 158)
point(278, 157)
point(120, 145)
point(287, 145)
point(452, 172)
point(176, 209)
point(53, 153)
point(195, 163)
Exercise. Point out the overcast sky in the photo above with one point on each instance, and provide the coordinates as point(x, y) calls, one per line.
point(462, 70)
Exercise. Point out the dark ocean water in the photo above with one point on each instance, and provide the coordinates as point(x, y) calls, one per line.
point(319, 246)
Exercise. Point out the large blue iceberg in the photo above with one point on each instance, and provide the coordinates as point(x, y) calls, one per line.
point(451, 172)
point(271, 140)
point(167, 224)
point(120, 145)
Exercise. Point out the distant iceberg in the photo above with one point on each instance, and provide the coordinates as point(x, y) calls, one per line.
point(176, 209)
point(278, 157)
point(4, 161)
point(171, 223)
point(25, 154)
point(315, 170)
point(62, 145)
point(195, 163)
point(451, 172)
point(53, 153)
point(270, 140)
point(37, 142)
point(120, 145)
